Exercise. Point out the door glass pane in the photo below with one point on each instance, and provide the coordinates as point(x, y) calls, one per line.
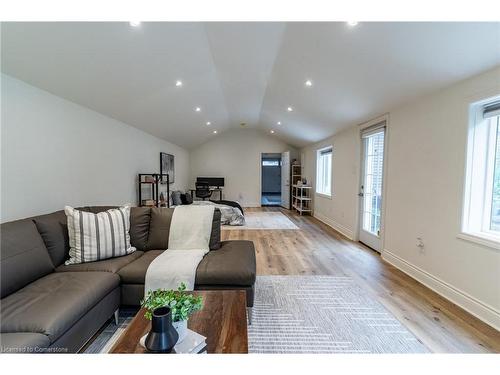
point(495, 201)
point(372, 199)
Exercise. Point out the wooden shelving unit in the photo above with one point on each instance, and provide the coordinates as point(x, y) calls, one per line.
point(301, 199)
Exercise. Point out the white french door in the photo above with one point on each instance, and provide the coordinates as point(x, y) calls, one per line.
point(372, 183)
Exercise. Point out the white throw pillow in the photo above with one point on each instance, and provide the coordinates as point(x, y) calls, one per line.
point(99, 236)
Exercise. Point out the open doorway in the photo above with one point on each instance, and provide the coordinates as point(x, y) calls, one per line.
point(271, 179)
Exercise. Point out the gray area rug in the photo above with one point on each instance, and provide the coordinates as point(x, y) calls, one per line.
point(323, 314)
point(110, 334)
point(264, 220)
point(308, 314)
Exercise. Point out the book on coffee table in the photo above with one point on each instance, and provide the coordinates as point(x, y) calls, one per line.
point(193, 343)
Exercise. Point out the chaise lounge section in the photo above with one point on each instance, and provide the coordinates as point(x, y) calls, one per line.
point(47, 306)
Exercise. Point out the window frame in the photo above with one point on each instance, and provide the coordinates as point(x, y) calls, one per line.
point(318, 154)
point(479, 177)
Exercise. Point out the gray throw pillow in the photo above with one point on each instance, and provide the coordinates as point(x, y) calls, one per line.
point(176, 198)
point(188, 198)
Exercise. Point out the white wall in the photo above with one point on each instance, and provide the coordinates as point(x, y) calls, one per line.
point(55, 152)
point(426, 172)
point(337, 211)
point(425, 178)
point(236, 155)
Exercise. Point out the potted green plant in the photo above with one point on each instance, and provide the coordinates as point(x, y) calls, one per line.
point(181, 303)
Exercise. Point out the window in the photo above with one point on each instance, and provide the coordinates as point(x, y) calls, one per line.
point(482, 189)
point(324, 171)
point(270, 163)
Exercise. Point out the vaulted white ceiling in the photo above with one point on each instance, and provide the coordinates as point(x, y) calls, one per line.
point(245, 72)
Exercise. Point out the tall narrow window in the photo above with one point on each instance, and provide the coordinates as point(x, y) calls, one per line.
point(324, 171)
point(482, 189)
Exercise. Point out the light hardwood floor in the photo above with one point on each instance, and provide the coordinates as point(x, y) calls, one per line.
point(317, 249)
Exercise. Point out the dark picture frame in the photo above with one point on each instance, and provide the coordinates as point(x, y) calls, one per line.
point(167, 166)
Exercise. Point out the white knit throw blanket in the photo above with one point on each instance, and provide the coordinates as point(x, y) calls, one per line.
point(188, 243)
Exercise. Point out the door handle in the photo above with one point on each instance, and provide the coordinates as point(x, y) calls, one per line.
point(362, 191)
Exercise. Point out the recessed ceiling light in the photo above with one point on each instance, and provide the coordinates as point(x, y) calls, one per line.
point(272, 131)
point(215, 132)
point(209, 123)
point(178, 83)
point(279, 123)
point(135, 23)
point(352, 23)
point(197, 109)
point(289, 109)
point(308, 83)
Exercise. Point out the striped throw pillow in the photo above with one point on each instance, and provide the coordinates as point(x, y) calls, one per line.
point(99, 236)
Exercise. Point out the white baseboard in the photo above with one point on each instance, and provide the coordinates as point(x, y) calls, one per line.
point(480, 310)
point(338, 227)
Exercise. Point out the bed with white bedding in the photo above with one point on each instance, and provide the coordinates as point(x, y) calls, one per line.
point(229, 215)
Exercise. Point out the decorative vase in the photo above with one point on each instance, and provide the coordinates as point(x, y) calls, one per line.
point(163, 336)
point(181, 328)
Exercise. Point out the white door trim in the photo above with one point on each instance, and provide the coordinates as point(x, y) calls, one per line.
point(286, 176)
point(259, 195)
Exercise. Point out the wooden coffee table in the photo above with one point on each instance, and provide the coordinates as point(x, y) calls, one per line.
point(222, 321)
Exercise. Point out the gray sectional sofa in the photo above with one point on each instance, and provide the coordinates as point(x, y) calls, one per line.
point(47, 306)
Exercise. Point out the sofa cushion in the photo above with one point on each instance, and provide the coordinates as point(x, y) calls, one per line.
point(54, 231)
point(232, 264)
point(159, 228)
point(52, 304)
point(135, 272)
point(108, 265)
point(23, 342)
point(139, 226)
point(24, 257)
